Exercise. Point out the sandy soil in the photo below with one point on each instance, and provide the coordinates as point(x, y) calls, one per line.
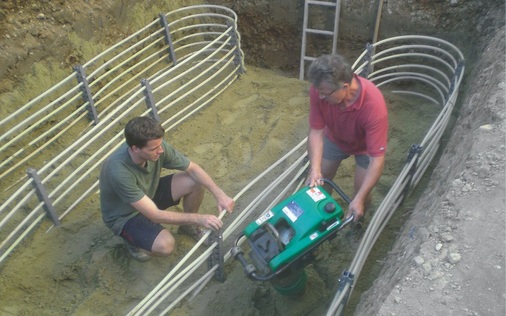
point(454, 262)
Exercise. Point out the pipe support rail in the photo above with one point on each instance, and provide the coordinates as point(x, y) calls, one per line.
point(170, 69)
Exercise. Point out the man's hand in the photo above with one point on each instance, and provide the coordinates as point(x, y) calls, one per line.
point(356, 208)
point(313, 178)
point(209, 221)
point(315, 155)
point(226, 203)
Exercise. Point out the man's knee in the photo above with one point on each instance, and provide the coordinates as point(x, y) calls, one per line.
point(199, 188)
point(183, 184)
point(164, 244)
point(329, 168)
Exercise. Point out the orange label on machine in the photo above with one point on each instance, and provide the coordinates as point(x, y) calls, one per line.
point(315, 194)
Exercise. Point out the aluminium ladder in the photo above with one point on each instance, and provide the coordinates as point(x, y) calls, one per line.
point(337, 6)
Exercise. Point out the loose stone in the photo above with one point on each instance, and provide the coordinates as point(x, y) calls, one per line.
point(454, 257)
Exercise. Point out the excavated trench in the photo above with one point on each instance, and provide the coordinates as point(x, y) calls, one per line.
point(80, 268)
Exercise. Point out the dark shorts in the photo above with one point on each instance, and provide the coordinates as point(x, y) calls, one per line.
point(163, 196)
point(332, 152)
point(142, 232)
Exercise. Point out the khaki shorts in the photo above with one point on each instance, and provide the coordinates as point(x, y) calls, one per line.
point(332, 152)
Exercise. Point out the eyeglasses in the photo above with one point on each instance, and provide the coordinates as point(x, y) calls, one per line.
point(326, 96)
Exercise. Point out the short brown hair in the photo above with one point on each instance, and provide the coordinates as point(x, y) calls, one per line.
point(140, 130)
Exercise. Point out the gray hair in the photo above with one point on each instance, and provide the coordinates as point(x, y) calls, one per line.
point(333, 69)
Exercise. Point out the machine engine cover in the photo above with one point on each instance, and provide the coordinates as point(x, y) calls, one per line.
point(301, 221)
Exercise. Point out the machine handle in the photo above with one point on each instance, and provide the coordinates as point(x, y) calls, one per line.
point(344, 196)
point(249, 269)
point(338, 189)
point(347, 221)
point(238, 254)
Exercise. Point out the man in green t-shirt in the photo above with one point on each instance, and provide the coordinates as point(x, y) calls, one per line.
point(134, 197)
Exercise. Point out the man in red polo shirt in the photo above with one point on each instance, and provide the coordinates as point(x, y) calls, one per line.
point(347, 117)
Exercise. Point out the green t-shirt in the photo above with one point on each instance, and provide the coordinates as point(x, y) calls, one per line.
point(123, 182)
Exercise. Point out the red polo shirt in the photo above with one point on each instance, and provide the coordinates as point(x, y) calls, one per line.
point(361, 128)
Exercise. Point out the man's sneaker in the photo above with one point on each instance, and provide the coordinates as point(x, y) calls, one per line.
point(194, 232)
point(137, 253)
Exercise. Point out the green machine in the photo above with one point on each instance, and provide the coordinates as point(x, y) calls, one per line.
point(283, 239)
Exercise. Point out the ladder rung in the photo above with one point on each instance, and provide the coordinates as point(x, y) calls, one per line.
point(329, 4)
point(333, 4)
point(319, 32)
